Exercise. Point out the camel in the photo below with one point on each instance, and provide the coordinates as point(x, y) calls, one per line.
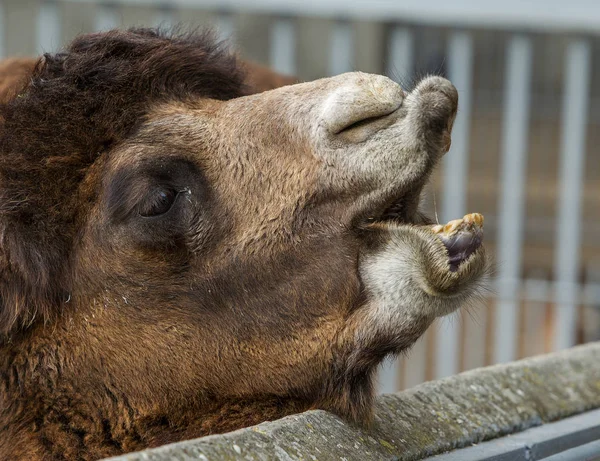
point(183, 253)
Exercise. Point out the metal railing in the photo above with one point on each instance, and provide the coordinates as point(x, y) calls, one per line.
point(455, 343)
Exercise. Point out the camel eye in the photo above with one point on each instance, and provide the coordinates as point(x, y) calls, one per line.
point(158, 202)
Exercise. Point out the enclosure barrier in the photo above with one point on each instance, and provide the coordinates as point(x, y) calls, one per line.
point(432, 418)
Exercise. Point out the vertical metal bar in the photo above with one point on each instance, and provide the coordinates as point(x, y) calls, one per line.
point(512, 200)
point(106, 17)
point(591, 322)
point(456, 165)
point(387, 381)
point(165, 17)
point(574, 124)
point(590, 301)
point(48, 27)
point(2, 30)
point(225, 27)
point(340, 52)
point(400, 66)
point(473, 339)
point(415, 363)
point(283, 46)
point(537, 293)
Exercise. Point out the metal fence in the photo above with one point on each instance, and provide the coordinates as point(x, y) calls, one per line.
point(524, 142)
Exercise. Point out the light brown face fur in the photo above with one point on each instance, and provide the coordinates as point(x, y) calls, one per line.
point(241, 260)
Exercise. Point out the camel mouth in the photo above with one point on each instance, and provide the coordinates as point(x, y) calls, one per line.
point(394, 213)
point(461, 238)
point(396, 210)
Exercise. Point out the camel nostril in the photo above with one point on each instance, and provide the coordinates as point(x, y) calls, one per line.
point(364, 122)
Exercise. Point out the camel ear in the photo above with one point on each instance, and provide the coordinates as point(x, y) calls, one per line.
point(260, 78)
point(14, 75)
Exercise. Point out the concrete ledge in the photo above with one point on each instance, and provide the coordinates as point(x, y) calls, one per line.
point(432, 418)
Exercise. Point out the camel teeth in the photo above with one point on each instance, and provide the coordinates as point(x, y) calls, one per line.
point(474, 218)
point(452, 226)
point(437, 229)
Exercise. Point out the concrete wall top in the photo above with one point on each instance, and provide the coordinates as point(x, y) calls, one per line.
point(429, 419)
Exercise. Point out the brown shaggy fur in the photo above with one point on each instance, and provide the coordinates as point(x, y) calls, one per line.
point(176, 259)
point(78, 105)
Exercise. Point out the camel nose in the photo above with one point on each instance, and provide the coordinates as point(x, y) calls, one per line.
point(438, 100)
point(360, 105)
